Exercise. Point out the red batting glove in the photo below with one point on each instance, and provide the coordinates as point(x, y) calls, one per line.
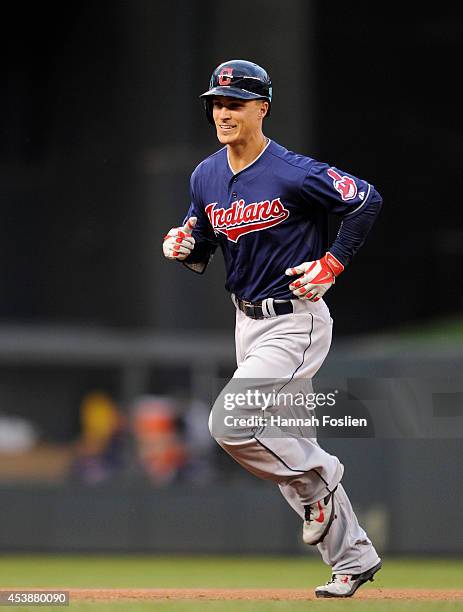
point(179, 242)
point(317, 277)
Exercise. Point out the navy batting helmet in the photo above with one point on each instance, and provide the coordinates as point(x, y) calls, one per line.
point(238, 79)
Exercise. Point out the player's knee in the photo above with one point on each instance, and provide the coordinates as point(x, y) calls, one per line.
point(223, 427)
point(215, 424)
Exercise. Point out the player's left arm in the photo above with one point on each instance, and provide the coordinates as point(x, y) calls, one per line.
point(358, 203)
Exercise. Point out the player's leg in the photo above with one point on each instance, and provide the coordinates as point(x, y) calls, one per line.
point(279, 352)
point(304, 472)
point(346, 547)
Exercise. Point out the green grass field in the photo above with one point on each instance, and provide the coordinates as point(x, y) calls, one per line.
point(81, 571)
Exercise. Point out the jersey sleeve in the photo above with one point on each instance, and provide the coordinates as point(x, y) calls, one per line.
point(353, 199)
point(205, 239)
point(337, 191)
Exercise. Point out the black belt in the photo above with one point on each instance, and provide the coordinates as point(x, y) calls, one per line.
point(256, 310)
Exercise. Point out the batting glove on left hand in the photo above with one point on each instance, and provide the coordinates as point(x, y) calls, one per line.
point(317, 277)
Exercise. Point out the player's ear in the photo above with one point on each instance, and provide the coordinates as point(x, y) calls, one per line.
point(263, 110)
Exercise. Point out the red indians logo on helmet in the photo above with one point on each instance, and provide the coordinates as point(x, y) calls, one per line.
point(343, 184)
point(225, 76)
point(242, 218)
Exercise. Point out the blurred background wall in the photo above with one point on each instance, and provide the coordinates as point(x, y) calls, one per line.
point(110, 354)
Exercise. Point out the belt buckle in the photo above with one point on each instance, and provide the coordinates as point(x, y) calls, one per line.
point(252, 308)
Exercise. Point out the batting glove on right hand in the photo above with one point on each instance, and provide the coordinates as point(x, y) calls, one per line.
point(317, 277)
point(178, 242)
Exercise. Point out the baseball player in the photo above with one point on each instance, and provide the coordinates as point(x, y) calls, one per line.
point(267, 209)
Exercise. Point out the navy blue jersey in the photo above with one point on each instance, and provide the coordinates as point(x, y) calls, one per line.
point(270, 216)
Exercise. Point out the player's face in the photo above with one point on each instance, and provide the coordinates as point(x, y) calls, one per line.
point(237, 121)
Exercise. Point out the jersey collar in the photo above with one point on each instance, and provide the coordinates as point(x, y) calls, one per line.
point(253, 161)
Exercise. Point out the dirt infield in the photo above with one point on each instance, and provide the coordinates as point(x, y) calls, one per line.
point(255, 594)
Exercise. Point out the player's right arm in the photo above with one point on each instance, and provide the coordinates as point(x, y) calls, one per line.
point(195, 241)
point(179, 242)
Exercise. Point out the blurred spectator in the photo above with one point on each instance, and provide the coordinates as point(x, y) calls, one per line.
point(161, 450)
point(16, 434)
point(25, 457)
point(101, 447)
